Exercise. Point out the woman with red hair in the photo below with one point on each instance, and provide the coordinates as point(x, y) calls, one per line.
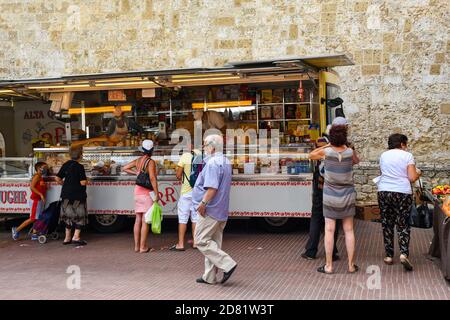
point(338, 193)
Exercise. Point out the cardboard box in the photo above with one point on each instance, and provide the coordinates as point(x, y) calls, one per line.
point(368, 213)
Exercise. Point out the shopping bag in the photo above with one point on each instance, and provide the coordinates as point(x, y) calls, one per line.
point(148, 215)
point(156, 218)
point(421, 216)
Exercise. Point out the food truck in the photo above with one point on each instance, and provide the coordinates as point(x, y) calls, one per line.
point(270, 113)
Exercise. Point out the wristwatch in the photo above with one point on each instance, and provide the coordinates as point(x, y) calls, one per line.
point(204, 202)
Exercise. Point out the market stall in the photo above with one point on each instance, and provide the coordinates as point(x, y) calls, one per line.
point(270, 113)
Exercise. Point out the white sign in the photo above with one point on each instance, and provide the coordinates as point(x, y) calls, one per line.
point(250, 199)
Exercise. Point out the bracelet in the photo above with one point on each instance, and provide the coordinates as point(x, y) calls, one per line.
point(204, 202)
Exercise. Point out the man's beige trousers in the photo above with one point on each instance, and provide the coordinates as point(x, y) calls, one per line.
point(208, 238)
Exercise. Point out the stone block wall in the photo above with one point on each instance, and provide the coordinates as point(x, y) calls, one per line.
point(401, 50)
point(366, 189)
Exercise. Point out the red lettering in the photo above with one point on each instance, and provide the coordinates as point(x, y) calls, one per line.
point(23, 197)
point(10, 197)
point(13, 197)
point(47, 136)
point(169, 193)
point(161, 198)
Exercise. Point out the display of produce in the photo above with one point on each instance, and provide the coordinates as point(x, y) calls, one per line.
point(441, 191)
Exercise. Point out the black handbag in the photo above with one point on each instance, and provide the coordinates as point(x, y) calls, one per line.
point(143, 178)
point(422, 215)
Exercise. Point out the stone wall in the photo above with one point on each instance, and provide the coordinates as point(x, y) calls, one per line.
point(366, 189)
point(401, 50)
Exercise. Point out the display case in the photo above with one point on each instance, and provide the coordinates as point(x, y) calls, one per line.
point(16, 168)
point(287, 162)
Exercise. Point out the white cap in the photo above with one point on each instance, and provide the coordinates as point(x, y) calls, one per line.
point(100, 164)
point(340, 121)
point(147, 146)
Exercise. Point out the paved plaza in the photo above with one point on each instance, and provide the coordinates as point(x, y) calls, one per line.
point(269, 267)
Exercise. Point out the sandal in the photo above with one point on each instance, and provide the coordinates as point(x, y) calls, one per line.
point(356, 269)
point(79, 242)
point(322, 270)
point(66, 243)
point(406, 263)
point(174, 248)
point(145, 251)
point(388, 261)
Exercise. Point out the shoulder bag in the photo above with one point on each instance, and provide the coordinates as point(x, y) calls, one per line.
point(143, 178)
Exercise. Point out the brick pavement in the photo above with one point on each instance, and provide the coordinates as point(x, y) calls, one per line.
point(270, 267)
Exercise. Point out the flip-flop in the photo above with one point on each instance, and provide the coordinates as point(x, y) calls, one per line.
point(68, 242)
point(174, 248)
point(322, 270)
point(354, 271)
point(146, 251)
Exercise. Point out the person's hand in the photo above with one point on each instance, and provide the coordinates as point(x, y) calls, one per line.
point(43, 198)
point(419, 172)
point(201, 209)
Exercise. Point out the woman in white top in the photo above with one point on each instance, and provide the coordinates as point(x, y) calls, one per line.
point(398, 171)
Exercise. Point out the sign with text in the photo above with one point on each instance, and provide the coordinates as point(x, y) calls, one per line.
point(252, 198)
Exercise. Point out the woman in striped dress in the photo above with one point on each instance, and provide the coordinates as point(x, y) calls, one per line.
point(338, 193)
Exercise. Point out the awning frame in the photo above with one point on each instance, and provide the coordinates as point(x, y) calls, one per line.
point(240, 72)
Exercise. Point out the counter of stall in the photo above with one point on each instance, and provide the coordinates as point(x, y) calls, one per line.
point(265, 184)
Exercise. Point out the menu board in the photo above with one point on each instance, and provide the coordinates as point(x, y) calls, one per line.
point(116, 95)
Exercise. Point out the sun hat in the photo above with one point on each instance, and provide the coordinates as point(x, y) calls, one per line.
point(146, 146)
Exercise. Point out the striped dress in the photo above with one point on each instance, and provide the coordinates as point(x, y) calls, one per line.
point(338, 191)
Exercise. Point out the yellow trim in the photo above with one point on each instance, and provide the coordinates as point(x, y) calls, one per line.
point(324, 78)
point(224, 104)
point(103, 109)
point(60, 86)
point(128, 83)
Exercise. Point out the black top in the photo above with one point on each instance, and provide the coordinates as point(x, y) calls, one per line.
point(72, 172)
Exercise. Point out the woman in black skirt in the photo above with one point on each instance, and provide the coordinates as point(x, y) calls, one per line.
point(73, 195)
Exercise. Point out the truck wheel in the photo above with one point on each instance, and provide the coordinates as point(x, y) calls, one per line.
point(108, 223)
point(278, 225)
